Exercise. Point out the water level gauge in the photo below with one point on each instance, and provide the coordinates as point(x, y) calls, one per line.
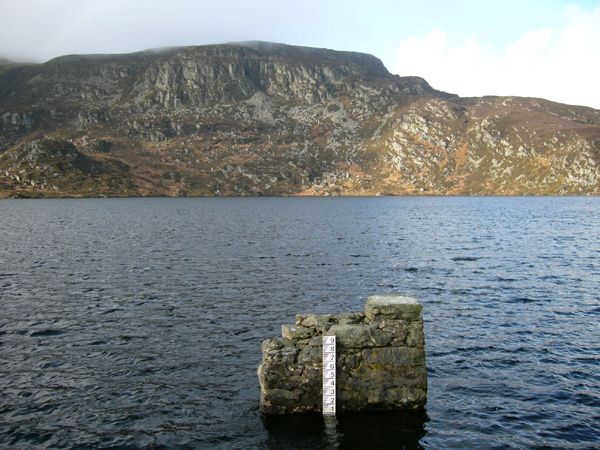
point(329, 361)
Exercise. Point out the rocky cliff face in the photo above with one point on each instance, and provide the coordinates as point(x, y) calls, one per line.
point(257, 118)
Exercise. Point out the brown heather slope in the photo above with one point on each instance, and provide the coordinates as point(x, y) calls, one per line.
point(270, 119)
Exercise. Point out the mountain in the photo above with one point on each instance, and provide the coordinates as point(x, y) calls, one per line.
point(256, 118)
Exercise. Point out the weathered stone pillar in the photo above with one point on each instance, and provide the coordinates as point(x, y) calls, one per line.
point(380, 360)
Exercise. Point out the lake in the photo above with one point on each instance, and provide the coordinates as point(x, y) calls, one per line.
point(138, 322)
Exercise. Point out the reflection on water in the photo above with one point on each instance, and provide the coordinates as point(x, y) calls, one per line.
point(356, 430)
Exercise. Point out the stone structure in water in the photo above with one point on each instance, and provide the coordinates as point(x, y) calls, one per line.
point(380, 360)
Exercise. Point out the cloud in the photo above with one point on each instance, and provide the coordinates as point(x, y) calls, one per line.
point(560, 63)
point(42, 29)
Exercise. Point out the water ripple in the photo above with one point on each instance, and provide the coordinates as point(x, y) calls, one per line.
point(138, 322)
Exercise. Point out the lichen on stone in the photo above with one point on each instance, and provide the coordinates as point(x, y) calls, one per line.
point(380, 360)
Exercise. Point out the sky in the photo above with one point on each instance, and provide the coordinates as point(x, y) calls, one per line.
point(535, 48)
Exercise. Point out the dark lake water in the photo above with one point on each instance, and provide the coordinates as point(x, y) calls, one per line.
point(138, 322)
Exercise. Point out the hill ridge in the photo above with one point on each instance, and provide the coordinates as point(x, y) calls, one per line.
point(258, 118)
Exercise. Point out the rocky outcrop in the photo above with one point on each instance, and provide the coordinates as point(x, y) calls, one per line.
point(380, 360)
point(56, 165)
point(257, 118)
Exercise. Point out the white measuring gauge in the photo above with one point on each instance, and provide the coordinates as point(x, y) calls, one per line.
point(328, 375)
